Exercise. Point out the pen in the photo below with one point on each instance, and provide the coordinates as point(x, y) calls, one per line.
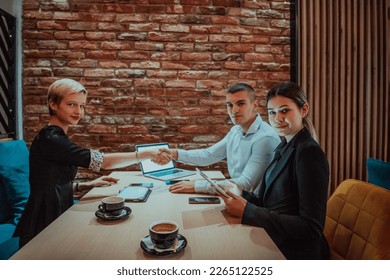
point(171, 182)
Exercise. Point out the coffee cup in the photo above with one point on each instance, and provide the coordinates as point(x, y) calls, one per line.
point(112, 205)
point(163, 233)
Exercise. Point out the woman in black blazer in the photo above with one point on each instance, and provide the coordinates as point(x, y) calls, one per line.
point(291, 202)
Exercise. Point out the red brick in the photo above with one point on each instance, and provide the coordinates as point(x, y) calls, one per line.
point(149, 83)
point(165, 56)
point(150, 9)
point(259, 57)
point(194, 129)
point(133, 55)
point(165, 37)
point(173, 65)
point(240, 48)
point(179, 47)
point(68, 72)
point(113, 64)
point(99, 73)
point(237, 65)
point(101, 54)
point(196, 56)
point(45, 35)
point(224, 38)
point(52, 44)
point(280, 76)
point(116, 46)
point(148, 46)
point(211, 84)
point(192, 74)
point(67, 16)
point(207, 29)
point(162, 129)
point(207, 66)
point(253, 75)
point(119, 8)
point(83, 26)
point(280, 23)
point(132, 18)
point(87, 7)
point(51, 25)
point(180, 84)
point(37, 15)
point(66, 35)
point(85, 45)
point(255, 39)
point(109, 26)
point(194, 111)
point(117, 83)
point(132, 129)
point(193, 38)
point(37, 71)
point(129, 73)
point(161, 74)
point(101, 128)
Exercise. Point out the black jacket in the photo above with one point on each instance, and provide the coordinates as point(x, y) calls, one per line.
point(291, 203)
point(53, 166)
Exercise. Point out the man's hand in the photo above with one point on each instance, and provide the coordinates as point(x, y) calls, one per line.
point(161, 156)
point(183, 187)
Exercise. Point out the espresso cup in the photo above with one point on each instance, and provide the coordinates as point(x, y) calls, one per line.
point(112, 205)
point(163, 233)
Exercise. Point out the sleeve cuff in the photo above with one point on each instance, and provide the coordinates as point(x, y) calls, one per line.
point(202, 186)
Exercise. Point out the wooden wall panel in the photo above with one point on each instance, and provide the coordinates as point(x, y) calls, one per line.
point(343, 66)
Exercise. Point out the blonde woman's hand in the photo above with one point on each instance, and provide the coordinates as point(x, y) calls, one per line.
point(104, 181)
point(161, 157)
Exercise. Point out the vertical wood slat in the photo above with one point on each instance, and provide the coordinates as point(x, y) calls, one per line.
point(343, 65)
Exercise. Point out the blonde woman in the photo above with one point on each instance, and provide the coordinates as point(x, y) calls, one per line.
point(54, 160)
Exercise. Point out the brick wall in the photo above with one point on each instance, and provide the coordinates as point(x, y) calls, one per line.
point(155, 70)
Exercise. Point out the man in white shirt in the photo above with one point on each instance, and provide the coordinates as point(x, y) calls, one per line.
point(248, 146)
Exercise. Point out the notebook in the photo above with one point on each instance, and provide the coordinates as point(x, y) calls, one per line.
point(161, 172)
point(135, 194)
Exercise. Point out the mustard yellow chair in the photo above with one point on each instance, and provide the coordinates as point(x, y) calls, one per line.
point(358, 222)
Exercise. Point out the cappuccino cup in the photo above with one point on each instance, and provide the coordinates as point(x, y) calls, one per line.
point(112, 205)
point(163, 233)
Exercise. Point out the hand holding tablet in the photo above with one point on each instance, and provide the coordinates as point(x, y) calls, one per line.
point(219, 189)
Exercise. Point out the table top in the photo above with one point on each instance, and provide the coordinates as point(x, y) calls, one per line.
point(210, 232)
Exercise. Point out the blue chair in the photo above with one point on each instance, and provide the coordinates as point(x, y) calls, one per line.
point(14, 192)
point(378, 172)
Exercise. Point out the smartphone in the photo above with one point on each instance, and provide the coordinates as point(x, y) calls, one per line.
point(204, 200)
point(214, 185)
point(146, 185)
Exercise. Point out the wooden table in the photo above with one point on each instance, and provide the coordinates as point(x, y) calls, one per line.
point(211, 233)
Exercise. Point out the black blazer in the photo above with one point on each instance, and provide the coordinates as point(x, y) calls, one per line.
point(291, 205)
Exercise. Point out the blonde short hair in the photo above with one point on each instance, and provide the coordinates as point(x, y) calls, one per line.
point(60, 88)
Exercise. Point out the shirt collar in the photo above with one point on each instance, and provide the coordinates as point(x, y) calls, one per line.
point(254, 126)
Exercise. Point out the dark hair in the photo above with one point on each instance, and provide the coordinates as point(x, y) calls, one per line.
point(243, 87)
point(295, 93)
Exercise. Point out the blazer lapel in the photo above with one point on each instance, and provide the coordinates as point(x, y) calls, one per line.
point(279, 167)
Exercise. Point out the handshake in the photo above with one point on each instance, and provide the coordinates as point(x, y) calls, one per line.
point(162, 156)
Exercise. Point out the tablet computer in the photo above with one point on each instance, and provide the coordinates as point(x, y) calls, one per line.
point(214, 185)
point(135, 194)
